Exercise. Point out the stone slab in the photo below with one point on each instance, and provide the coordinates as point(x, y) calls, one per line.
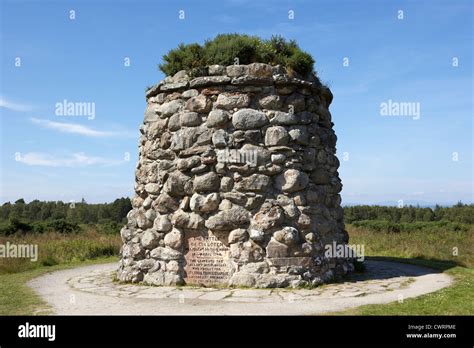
point(207, 260)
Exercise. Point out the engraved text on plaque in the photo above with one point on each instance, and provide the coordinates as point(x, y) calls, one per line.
point(207, 260)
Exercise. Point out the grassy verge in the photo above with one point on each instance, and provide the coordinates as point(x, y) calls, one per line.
point(431, 248)
point(16, 298)
point(55, 252)
point(425, 244)
point(56, 248)
point(457, 299)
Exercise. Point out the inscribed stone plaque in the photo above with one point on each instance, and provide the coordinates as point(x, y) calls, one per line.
point(207, 260)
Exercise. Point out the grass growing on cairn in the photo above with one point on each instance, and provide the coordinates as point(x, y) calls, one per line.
point(225, 48)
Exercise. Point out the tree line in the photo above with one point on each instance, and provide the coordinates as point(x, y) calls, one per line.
point(460, 213)
point(64, 217)
point(81, 212)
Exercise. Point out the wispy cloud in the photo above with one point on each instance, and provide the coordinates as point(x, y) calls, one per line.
point(18, 107)
point(79, 159)
point(75, 128)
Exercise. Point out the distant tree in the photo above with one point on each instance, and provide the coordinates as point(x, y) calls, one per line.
point(428, 215)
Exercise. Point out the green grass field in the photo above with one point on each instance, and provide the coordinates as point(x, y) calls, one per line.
point(429, 247)
point(56, 251)
point(432, 248)
point(56, 248)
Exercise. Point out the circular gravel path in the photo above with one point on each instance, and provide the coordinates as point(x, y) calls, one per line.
point(91, 290)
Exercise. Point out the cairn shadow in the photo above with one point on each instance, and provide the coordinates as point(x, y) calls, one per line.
point(380, 267)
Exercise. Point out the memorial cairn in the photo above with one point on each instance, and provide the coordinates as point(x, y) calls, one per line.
point(237, 182)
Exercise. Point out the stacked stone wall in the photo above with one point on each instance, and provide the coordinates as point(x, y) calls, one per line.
point(236, 183)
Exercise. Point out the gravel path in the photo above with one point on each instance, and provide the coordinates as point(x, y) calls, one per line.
point(90, 291)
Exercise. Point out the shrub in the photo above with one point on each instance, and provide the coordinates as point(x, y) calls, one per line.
point(281, 47)
point(63, 226)
point(224, 48)
point(19, 226)
point(15, 225)
point(49, 261)
point(108, 227)
point(301, 62)
point(5, 229)
point(185, 57)
point(38, 227)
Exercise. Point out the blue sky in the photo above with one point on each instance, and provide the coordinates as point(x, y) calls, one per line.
point(383, 158)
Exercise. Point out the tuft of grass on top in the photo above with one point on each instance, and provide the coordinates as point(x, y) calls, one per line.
point(224, 49)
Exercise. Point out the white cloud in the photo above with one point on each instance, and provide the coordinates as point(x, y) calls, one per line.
point(74, 160)
point(6, 104)
point(73, 128)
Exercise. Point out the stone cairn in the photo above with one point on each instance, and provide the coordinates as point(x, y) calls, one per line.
point(237, 182)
